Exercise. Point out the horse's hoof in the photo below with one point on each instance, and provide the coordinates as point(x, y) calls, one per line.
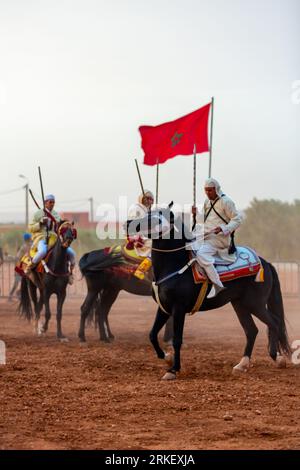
point(64, 340)
point(169, 359)
point(169, 376)
point(242, 367)
point(280, 362)
point(83, 344)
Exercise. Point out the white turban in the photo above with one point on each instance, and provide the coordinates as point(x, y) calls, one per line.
point(147, 193)
point(212, 183)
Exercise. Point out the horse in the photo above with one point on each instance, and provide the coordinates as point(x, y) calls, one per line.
point(177, 293)
point(53, 281)
point(103, 287)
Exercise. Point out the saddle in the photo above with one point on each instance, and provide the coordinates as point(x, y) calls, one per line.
point(121, 260)
point(26, 260)
point(247, 263)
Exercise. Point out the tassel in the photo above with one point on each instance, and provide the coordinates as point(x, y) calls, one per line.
point(260, 276)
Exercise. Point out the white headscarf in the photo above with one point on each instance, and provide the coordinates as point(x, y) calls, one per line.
point(212, 183)
point(146, 193)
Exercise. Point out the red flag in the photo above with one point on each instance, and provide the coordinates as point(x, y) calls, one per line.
point(176, 137)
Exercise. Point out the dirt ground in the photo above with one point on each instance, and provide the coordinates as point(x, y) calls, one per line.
point(109, 396)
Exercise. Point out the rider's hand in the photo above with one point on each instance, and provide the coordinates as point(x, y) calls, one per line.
point(194, 210)
point(44, 221)
point(217, 230)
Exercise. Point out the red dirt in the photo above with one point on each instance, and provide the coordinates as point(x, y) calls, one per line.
point(110, 396)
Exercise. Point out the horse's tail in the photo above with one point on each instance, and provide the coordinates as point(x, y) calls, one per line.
point(96, 261)
point(25, 307)
point(275, 305)
point(92, 318)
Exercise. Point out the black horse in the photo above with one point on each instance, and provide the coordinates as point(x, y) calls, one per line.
point(178, 293)
point(54, 281)
point(104, 285)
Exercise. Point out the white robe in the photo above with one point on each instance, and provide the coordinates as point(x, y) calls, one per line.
point(211, 244)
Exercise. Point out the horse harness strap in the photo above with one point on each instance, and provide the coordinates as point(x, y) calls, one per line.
point(200, 298)
point(49, 271)
point(201, 295)
point(180, 271)
point(155, 290)
point(199, 301)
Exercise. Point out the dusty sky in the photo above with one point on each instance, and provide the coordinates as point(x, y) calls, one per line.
point(78, 77)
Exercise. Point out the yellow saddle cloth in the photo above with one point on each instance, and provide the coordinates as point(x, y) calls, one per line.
point(130, 255)
point(26, 260)
point(143, 263)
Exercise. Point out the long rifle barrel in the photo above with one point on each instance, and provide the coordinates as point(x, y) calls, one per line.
point(139, 175)
point(42, 188)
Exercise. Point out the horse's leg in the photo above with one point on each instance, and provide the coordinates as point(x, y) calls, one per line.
point(168, 334)
point(250, 329)
point(160, 320)
point(108, 297)
point(47, 311)
point(264, 315)
point(37, 311)
point(60, 301)
point(85, 309)
point(178, 320)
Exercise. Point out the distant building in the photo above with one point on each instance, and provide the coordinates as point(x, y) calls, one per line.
point(81, 219)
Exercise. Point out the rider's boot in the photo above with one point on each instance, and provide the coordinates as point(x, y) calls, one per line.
point(217, 286)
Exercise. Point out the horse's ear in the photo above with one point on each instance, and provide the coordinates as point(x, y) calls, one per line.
point(171, 204)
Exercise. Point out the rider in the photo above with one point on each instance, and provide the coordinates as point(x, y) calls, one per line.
point(138, 210)
point(141, 244)
point(24, 250)
point(38, 227)
point(219, 220)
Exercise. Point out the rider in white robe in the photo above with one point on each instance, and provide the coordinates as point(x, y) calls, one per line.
point(213, 233)
point(137, 211)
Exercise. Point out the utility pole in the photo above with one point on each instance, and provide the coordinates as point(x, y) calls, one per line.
point(91, 199)
point(26, 187)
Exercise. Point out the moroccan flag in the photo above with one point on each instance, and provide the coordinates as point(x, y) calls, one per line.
point(176, 137)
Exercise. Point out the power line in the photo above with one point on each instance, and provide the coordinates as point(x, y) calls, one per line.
point(11, 191)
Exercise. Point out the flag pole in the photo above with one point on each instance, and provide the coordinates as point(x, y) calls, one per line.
point(194, 176)
point(194, 184)
point(211, 135)
point(157, 174)
point(139, 175)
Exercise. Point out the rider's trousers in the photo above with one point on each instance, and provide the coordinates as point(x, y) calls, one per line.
point(205, 256)
point(42, 251)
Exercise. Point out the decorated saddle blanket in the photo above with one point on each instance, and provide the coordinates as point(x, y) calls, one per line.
point(26, 260)
point(247, 263)
point(119, 260)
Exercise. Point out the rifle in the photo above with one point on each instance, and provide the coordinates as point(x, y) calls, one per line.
point(44, 208)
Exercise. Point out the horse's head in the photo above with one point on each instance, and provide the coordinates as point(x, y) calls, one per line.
point(66, 233)
point(157, 223)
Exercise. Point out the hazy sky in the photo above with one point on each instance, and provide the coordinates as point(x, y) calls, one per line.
point(78, 77)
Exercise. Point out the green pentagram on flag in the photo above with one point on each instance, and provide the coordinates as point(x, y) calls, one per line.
point(176, 139)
